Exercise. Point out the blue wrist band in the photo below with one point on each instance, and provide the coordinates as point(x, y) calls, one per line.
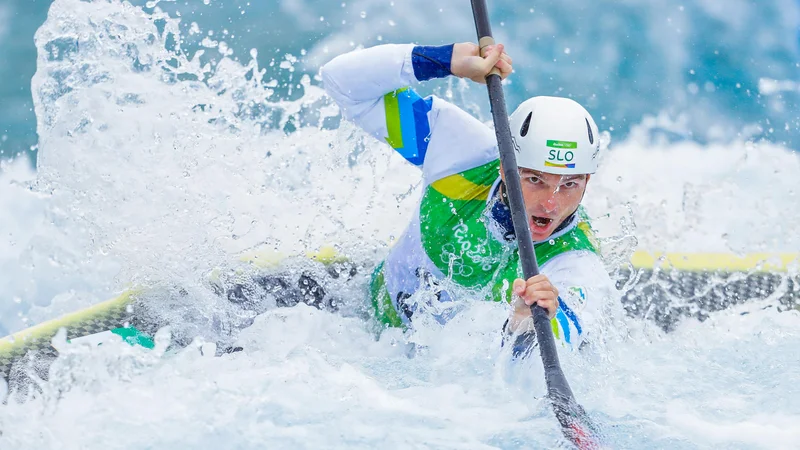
point(431, 62)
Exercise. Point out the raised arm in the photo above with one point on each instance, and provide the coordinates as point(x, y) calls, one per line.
point(371, 88)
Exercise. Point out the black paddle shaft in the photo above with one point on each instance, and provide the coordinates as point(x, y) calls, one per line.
point(556, 382)
point(569, 413)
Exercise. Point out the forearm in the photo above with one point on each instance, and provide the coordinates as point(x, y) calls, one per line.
point(432, 61)
point(369, 87)
point(366, 75)
point(362, 77)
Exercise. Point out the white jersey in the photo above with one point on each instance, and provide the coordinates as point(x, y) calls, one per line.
point(454, 235)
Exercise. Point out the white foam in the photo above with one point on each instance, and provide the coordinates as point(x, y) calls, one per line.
point(768, 86)
point(686, 197)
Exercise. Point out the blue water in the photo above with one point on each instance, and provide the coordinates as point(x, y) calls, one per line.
point(697, 62)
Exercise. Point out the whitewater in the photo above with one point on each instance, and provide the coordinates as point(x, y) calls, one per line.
point(162, 158)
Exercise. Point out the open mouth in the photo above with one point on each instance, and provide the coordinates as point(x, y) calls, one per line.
point(541, 222)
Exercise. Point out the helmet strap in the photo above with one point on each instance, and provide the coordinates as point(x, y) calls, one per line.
point(503, 195)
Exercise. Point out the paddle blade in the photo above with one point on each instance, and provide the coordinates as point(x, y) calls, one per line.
point(576, 425)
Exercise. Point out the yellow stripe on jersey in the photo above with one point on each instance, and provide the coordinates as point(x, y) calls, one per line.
point(456, 187)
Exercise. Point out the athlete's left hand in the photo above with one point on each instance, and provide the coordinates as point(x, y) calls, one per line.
point(537, 290)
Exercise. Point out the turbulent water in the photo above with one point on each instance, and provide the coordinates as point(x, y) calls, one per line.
point(165, 150)
point(706, 69)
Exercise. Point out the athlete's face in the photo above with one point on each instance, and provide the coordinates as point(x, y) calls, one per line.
point(549, 199)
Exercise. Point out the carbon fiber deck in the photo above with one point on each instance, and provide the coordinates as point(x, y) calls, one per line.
point(105, 316)
point(667, 297)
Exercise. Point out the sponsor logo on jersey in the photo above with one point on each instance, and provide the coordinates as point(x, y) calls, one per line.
point(576, 295)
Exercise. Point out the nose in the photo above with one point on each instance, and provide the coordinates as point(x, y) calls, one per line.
point(550, 205)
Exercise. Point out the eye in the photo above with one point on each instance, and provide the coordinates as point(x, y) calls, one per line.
point(533, 179)
point(571, 184)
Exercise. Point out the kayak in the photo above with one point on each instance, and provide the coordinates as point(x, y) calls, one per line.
point(667, 288)
point(663, 288)
point(129, 317)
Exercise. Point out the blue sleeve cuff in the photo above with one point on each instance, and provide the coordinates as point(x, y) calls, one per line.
point(431, 62)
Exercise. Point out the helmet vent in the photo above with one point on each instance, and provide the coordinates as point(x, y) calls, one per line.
point(526, 125)
point(591, 136)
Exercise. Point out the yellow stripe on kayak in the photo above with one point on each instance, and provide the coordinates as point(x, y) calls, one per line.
point(692, 262)
point(94, 319)
point(724, 262)
point(270, 259)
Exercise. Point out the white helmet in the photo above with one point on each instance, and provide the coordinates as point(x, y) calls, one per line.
point(555, 135)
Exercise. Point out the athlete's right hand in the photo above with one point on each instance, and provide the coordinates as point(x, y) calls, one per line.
point(466, 62)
